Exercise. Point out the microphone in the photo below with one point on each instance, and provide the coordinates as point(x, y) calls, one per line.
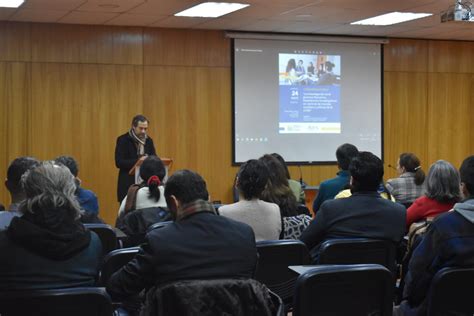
point(390, 166)
point(301, 176)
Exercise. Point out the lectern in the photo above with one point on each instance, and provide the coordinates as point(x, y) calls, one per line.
point(135, 171)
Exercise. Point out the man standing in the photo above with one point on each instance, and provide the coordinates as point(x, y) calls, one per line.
point(199, 244)
point(365, 214)
point(132, 146)
point(13, 183)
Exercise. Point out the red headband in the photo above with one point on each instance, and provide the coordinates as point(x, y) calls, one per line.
point(154, 180)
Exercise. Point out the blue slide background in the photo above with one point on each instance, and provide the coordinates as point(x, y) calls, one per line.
point(303, 104)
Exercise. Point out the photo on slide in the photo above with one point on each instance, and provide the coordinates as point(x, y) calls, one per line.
point(310, 92)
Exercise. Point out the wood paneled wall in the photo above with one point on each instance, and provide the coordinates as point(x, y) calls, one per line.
point(72, 89)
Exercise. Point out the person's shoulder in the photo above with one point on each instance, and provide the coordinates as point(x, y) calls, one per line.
point(228, 208)
point(123, 137)
point(87, 194)
point(390, 205)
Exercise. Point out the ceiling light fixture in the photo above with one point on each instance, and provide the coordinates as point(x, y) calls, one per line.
point(391, 18)
point(211, 9)
point(11, 3)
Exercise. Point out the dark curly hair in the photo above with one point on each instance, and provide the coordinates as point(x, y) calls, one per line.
point(252, 179)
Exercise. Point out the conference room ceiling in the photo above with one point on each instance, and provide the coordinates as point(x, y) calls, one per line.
point(288, 16)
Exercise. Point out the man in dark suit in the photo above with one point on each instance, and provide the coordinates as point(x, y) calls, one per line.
point(199, 244)
point(365, 214)
point(132, 146)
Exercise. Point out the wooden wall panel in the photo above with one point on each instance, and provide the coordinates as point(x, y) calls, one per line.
point(406, 55)
point(451, 57)
point(14, 111)
point(80, 110)
point(191, 122)
point(87, 44)
point(15, 43)
point(450, 117)
point(405, 116)
point(186, 48)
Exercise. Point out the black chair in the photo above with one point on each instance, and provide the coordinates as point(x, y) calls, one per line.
point(158, 225)
point(106, 234)
point(359, 251)
point(60, 302)
point(329, 290)
point(272, 268)
point(450, 292)
point(302, 209)
point(114, 260)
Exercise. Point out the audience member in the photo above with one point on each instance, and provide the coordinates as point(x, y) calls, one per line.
point(449, 242)
point(382, 190)
point(278, 191)
point(294, 185)
point(13, 184)
point(199, 244)
point(409, 186)
point(329, 188)
point(364, 214)
point(263, 217)
point(47, 247)
point(441, 192)
point(151, 192)
point(86, 198)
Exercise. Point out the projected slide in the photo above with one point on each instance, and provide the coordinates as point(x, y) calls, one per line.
point(309, 93)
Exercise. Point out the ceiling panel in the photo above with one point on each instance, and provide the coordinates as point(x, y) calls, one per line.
point(163, 7)
point(6, 13)
point(79, 17)
point(135, 19)
point(37, 15)
point(66, 5)
point(179, 22)
point(114, 6)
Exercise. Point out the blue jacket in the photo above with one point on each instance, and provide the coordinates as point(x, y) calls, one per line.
point(449, 242)
point(88, 201)
point(330, 188)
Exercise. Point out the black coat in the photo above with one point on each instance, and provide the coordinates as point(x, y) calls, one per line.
point(125, 158)
point(201, 246)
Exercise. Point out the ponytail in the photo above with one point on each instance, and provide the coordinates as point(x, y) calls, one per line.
point(419, 176)
point(153, 184)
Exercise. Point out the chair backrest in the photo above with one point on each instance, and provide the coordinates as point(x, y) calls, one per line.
point(328, 290)
point(451, 292)
point(274, 257)
point(358, 251)
point(59, 302)
point(115, 260)
point(212, 297)
point(158, 225)
point(106, 234)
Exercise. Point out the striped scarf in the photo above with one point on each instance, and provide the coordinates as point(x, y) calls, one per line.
point(197, 206)
point(139, 142)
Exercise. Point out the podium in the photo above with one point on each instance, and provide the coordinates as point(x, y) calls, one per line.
point(135, 171)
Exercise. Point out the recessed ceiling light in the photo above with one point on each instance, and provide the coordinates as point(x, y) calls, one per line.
point(109, 6)
point(11, 3)
point(211, 9)
point(391, 18)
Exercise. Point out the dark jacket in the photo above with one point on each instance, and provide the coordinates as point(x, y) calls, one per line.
point(449, 242)
point(125, 158)
point(22, 269)
point(330, 188)
point(201, 246)
point(364, 214)
point(245, 297)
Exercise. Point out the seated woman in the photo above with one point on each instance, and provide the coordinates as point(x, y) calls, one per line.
point(263, 217)
point(409, 186)
point(278, 191)
point(47, 247)
point(294, 185)
point(148, 194)
point(441, 193)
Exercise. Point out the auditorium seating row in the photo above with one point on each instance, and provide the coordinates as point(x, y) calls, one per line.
point(354, 277)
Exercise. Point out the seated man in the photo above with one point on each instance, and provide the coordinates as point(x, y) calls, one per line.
point(86, 198)
point(13, 183)
point(449, 242)
point(329, 188)
point(364, 214)
point(198, 245)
